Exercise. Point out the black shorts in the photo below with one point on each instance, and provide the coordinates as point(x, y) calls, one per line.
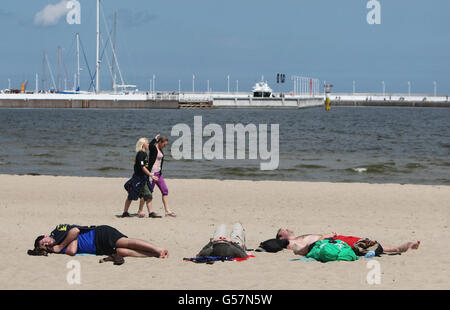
point(106, 238)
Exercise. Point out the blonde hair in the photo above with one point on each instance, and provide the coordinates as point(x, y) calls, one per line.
point(140, 144)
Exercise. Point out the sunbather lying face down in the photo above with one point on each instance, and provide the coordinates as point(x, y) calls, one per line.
point(98, 240)
point(300, 245)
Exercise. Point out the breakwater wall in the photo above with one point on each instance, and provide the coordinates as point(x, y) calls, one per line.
point(395, 100)
point(148, 101)
point(281, 103)
point(88, 104)
point(391, 104)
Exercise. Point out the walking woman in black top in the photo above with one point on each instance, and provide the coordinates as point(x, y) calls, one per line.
point(139, 185)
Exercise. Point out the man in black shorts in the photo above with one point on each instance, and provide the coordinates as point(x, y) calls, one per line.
point(98, 240)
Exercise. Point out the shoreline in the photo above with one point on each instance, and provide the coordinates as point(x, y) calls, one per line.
point(390, 213)
point(231, 179)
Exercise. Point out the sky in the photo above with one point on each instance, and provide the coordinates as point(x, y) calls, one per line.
point(244, 39)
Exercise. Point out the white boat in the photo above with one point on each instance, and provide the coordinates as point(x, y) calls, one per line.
point(262, 89)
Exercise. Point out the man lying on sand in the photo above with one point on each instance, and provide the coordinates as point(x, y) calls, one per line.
point(221, 245)
point(98, 240)
point(300, 245)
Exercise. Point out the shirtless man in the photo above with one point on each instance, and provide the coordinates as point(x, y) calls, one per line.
point(300, 245)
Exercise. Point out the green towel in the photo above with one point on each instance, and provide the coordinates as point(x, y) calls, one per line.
point(331, 250)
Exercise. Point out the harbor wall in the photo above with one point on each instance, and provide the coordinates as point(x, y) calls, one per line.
point(390, 100)
point(88, 104)
point(252, 102)
point(372, 103)
point(208, 101)
point(144, 102)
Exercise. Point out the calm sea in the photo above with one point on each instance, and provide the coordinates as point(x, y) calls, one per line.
point(346, 144)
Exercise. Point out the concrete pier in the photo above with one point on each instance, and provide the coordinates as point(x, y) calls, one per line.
point(154, 101)
point(390, 100)
point(166, 100)
point(88, 104)
point(280, 103)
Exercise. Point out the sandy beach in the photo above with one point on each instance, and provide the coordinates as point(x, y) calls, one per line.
point(391, 213)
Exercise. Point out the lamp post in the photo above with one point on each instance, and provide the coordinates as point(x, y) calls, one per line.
point(409, 88)
point(228, 83)
point(193, 83)
point(435, 88)
point(295, 84)
point(384, 87)
point(179, 86)
point(354, 87)
point(154, 83)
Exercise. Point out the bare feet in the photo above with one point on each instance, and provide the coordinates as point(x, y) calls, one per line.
point(402, 248)
point(163, 253)
point(414, 245)
point(171, 213)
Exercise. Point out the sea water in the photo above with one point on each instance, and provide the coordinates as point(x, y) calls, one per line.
point(346, 144)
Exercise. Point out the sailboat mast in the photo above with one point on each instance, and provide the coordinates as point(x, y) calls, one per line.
point(97, 75)
point(114, 50)
point(77, 81)
point(59, 69)
point(43, 72)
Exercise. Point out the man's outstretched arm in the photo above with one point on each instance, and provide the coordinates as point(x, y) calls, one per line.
point(330, 235)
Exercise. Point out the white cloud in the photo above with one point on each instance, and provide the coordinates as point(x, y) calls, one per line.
point(51, 14)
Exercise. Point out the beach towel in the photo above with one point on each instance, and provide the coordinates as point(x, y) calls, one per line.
point(331, 250)
point(304, 259)
point(213, 259)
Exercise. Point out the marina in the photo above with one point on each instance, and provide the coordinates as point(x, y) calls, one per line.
point(216, 100)
point(154, 101)
point(262, 96)
point(306, 92)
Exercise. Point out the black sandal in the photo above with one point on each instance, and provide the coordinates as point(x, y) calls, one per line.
point(115, 258)
point(154, 215)
point(125, 214)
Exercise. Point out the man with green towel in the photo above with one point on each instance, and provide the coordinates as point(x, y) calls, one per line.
point(301, 245)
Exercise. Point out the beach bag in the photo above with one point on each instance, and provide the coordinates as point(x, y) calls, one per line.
point(331, 250)
point(134, 185)
point(362, 247)
point(274, 245)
